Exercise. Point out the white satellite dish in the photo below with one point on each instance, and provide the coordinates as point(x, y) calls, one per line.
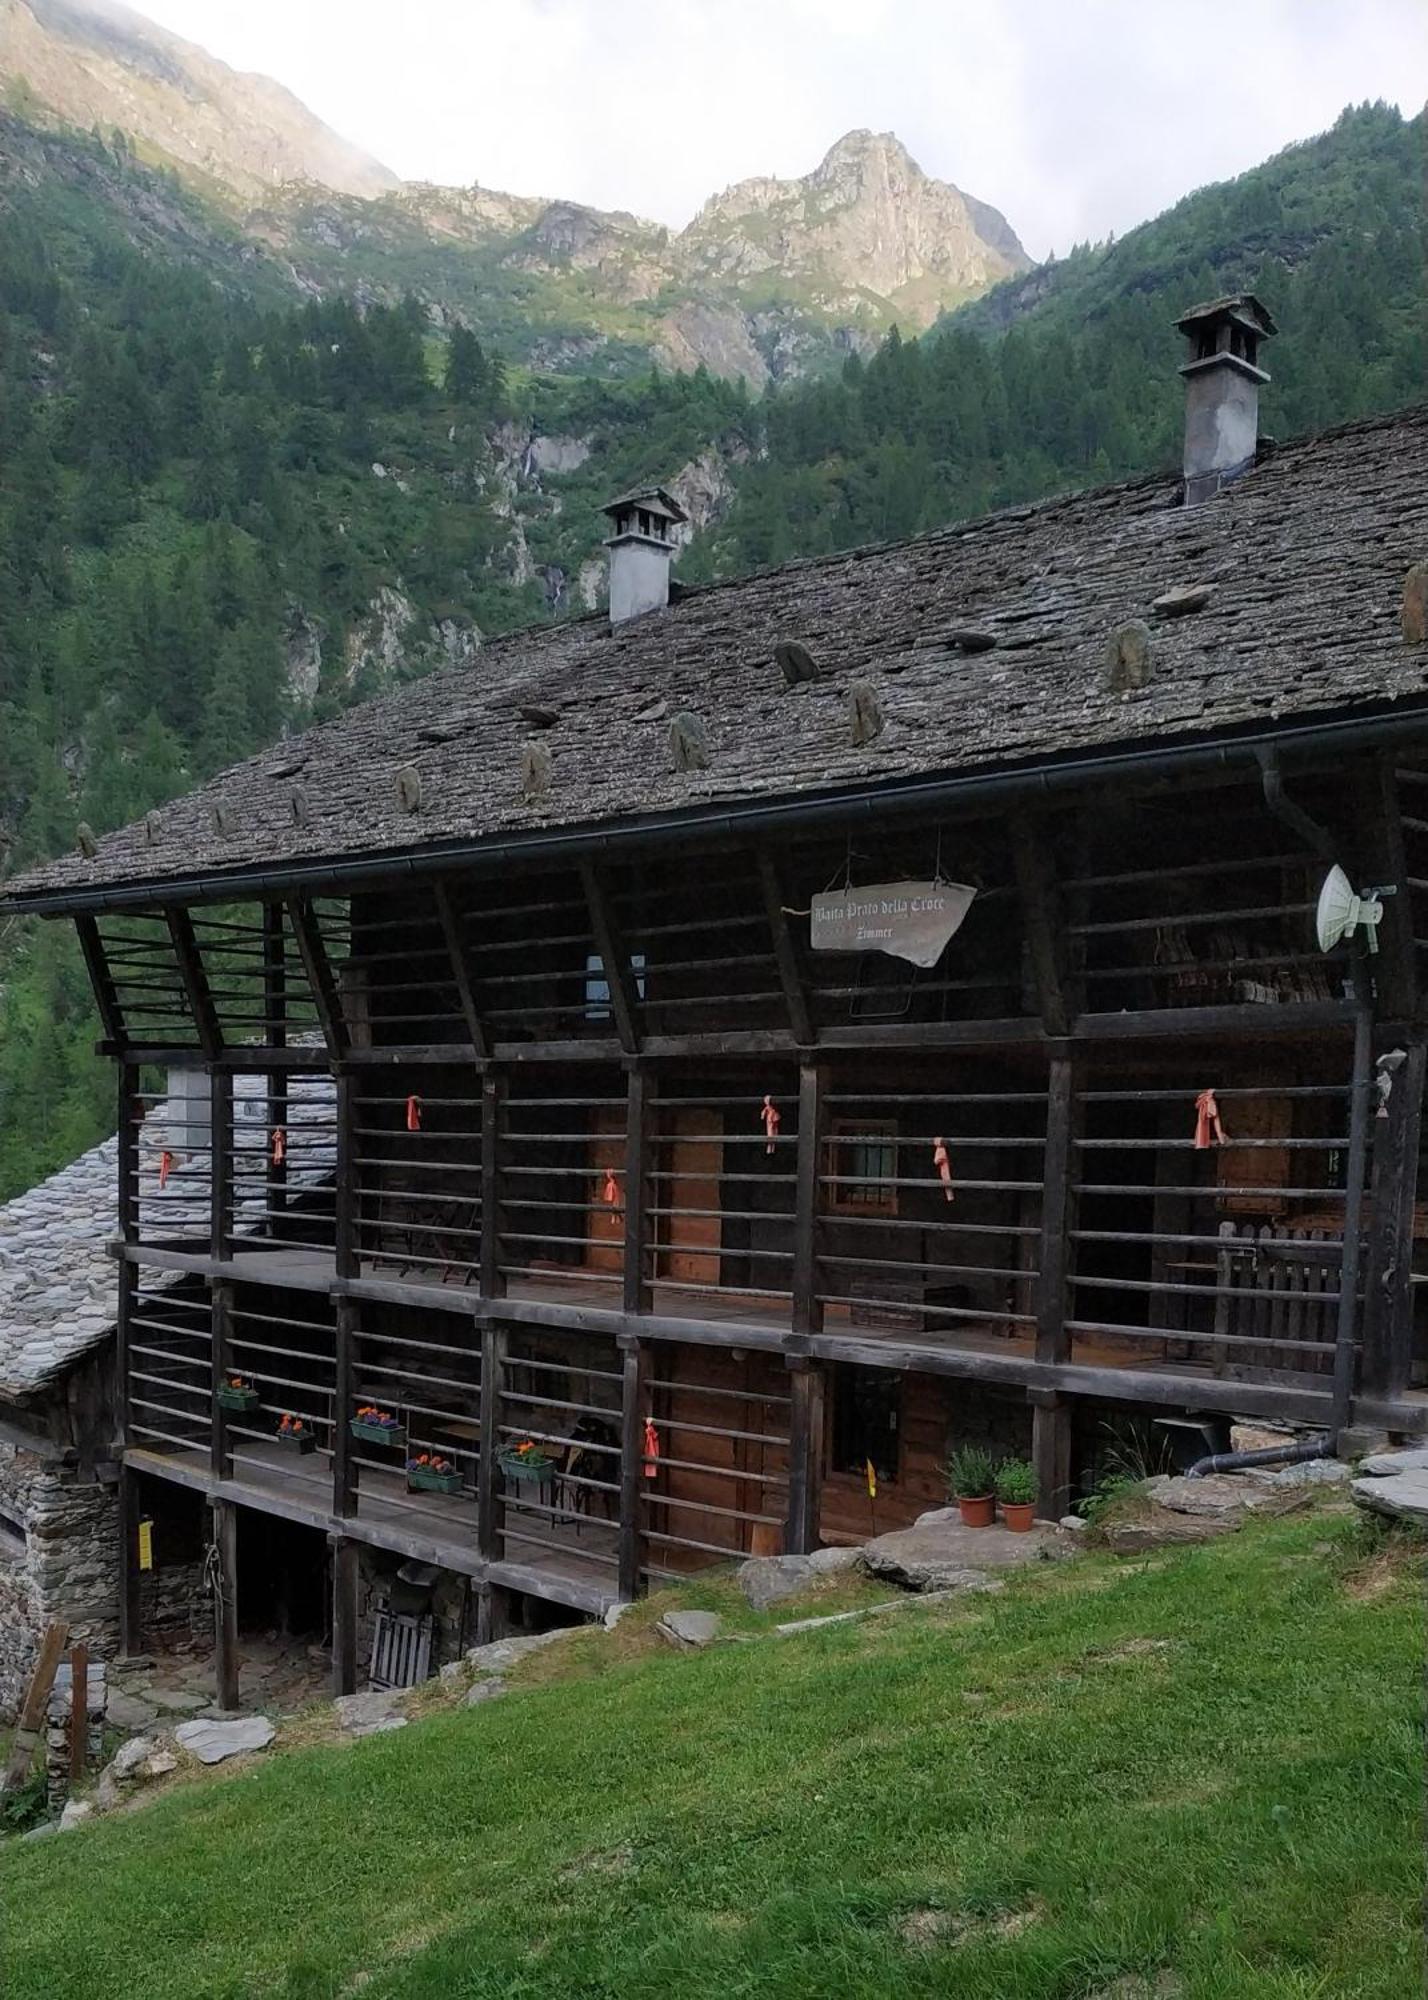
point(1341, 912)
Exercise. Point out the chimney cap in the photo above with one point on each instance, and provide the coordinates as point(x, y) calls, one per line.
point(652, 499)
point(1252, 314)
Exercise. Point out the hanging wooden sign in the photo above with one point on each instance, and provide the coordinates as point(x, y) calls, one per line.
point(911, 920)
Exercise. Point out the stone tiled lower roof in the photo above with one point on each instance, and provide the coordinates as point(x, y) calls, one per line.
point(1304, 559)
point(58, 1283)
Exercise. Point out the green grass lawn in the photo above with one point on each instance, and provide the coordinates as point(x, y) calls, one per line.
point(1197, 1774)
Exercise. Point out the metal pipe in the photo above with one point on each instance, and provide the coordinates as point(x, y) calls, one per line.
point(912, 796)
point(1316, 837)
point(1274, 1454)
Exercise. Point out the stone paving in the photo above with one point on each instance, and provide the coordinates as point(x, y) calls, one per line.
point(277, 1677)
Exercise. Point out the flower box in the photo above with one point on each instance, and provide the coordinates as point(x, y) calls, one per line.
point(440, 1476)
point(237, 1395)
point(299, 1437)
point(376, 1427)
point(531, 1466)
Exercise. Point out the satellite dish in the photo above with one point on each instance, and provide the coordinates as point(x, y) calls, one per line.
point(1341, 912)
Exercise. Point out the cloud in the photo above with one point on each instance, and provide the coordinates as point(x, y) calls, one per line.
point(1076, 120)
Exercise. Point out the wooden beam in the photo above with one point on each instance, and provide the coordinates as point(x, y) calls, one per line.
point(225, 1602)
point(78, 1710)
point(490, 1507)
point(493, 1132)
point(32, 1711)
point(1035, 876)
point(106, 997)
point(808, 1197)
point(127, 1509)
point(307, 935)
point(346, 1578)
point(460, 969)
point(790, 972)
point(634, 1408)
point(344, 1401)
point(1361, 1089)
point(220, 1450)
point(1388, 1290)
point(614, 959)
point(803, 1533)
point(1057, 1211)
point(195, 983)
point(1051, 1437)
point(220, 1163)
point(127, 1112)
point(639, 1167)
point(1396, 967)
point(346, 1245)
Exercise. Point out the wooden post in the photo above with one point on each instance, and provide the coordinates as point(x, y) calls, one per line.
point(346, 1577)
point(790, 971)
point(128, 1145)
point(225, 1602)
point(614, 959)
point(32, 1712)
point(808, 1210)
point(1034, 877)
point(344, 1401)
point(805, 1455)
point(221, 1322)
point(106, 998)
point(347, 1233)
point(1051, 1415)
point(493, 1113)
point(275, 1033)
point(633, 1411)
point(1360, 1092)
point(1388, 1292)
point(460, 969)
point(127, 1509)
point(490, 1506)
point(220, 1163)
point(1057, 1211)
point(639, 1165)
point(78, 1709)
point(307, 935)
point(195, 983)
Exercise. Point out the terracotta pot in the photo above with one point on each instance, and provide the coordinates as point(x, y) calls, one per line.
point(978, 1513)
point(1018, 1515)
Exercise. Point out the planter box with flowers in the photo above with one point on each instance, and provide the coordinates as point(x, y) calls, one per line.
point(374, 1426)
point(297, 1434)
point(237, 1392)
point(526, 1461)
point(971, 1482)
point(428, 1472)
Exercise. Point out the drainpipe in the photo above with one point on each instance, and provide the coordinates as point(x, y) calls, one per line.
point(1274, 1454)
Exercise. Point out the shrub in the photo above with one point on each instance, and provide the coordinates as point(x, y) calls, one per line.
point(971, 1473)
point(1016, 1482)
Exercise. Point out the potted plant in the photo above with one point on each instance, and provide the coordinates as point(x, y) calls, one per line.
point(429, 1472)
point(237, 1392)
point(298, 1433)
point(374, 1426)
point(1016, 1489)
point(971, 1480)
point(526, 1461)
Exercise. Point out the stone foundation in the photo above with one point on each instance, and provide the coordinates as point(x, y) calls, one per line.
point(59, 1562)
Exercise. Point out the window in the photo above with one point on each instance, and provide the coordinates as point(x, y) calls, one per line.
point(863, 1163)
point(867, 1410)
point(597, 986)
point(13, 1542)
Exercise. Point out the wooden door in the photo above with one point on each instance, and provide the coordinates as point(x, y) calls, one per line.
point(693, 1232)
point(605, 1223)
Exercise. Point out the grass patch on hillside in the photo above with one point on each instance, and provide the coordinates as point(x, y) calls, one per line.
point(1201, 1768)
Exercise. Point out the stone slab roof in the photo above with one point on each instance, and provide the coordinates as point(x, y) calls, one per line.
point(58, 1283)
point(1305, 558)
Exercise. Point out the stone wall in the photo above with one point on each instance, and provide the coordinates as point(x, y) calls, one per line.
point(67, 1567)
point(452, 1605)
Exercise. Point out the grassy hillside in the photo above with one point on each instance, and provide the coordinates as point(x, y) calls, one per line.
point(1193, 1775)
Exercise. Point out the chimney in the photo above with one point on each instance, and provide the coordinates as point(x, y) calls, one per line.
point(642, 547)
point(1222, 385)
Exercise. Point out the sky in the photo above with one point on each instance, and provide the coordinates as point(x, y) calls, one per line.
point(1077, 118)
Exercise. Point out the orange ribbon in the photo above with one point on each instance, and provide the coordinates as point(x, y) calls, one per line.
point(413, 1114)
point(943, 1164)
point(1208, 1129)
point(166, 1167)
point(280, 1146)
point(611, 1191)
point(772, 1118)
point(651, 1448)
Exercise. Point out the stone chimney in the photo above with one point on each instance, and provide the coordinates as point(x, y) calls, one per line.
point(642, 547)
point(1222, 385)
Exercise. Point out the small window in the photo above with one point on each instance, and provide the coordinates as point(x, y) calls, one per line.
point(863, 1164)
point(13, 1541)
point(867, 1411)
point(597, 986)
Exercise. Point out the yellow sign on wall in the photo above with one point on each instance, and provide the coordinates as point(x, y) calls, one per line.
point(146, 1544)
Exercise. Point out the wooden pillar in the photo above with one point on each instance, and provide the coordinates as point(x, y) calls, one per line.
point(106, 998)
point(639, 1165)
point(307, 935)
point(275, 1033)
point(344, 1401)
point(614, 958)
point(347, 1235)
point(1035, 888)
point(790, 970)
point(493, 1124)
point(221, 1323)
point(130, 1621)
point(195, 983)
point(1388, 1290)
point(490, 1506)
point(128, 1111)
point(1361, 1090)
point(225, 1601)
point(1057, 1211)
point(1051, 1421)
point(346, 1576)
point(808, 1209)
point(805, 1455)
point(220, 1163)
point(634, 1409)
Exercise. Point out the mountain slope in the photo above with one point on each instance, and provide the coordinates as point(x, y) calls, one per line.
point(96, 63)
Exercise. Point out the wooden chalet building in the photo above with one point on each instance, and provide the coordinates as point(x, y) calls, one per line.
point(647, 1151)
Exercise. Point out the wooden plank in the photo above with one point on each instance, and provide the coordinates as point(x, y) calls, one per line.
point(639, 1165)
point(346, 1577)
point(1388, 1300)
point(790, 971)
point(127, 1581)
point(307, 935)
point(1058, 1209)
point(634, 1408)
point(220, 1450)
point(493, 1149)
point(460, 969)
point(1396, 969)
point(106, 998)
point(32, 1710)
point(808, 1198)
point(490, 1508)
point(344, 1400)
point(78, 1710)
point(195, 982)
point(1034, 877)
point(347, 1217)
point(805, 1455)
point(127, 1111)
point(1051, 1437)
point(220, 1164)
point(225, 1602)
point(1362, 1087)
point(614, 959)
